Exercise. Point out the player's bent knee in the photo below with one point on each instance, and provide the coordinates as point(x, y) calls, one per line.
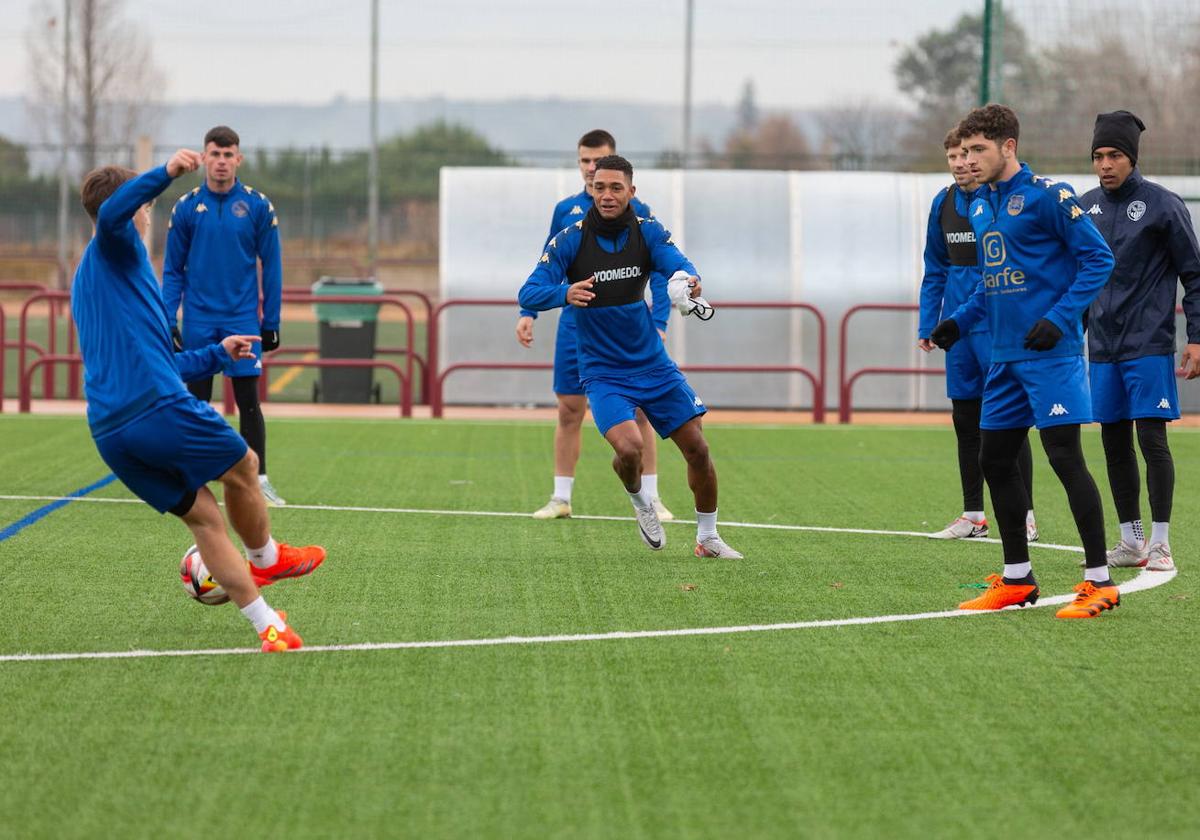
point(244, 471)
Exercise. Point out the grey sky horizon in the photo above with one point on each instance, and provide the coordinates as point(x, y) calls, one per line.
point(808, 53)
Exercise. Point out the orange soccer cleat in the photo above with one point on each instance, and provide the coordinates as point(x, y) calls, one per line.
point(294, 561)
point(275, 640)
point(1091, 601)
point(1000, 595)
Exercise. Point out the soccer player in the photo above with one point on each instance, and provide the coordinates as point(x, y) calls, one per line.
point(161, 441)
point(951, 275)
point(1043, 263)
point(217, 235)
point(572, 404)
point(1131, 333)
point(600, 265)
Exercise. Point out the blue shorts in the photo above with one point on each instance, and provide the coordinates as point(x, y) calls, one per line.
point(196, 336)
point(967, 364)
point(666, 399)
point(1036, 392)
point(566, 359)
point(175, 448)
point(1135, 389)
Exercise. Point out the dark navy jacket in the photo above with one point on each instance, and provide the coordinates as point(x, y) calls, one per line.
point(1151, 235)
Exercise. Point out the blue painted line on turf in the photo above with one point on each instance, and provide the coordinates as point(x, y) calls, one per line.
point(45, 510)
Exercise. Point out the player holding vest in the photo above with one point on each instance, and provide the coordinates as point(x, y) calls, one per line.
point(600, 265)
point(951, 275)
point(217, 235)
point(568, 390)
point(163, 443)
point(1043, 263)
point(1131, 333)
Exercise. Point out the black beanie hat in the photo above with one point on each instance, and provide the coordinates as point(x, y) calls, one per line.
point(1119, 130)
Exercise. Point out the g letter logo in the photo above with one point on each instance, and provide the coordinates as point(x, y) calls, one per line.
point(993, 249)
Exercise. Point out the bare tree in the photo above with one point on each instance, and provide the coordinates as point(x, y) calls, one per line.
point(863, 133)
point(114, 82)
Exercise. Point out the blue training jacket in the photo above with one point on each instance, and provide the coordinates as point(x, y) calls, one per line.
point(1150, 233)
point(214, 241)
point(614, 341)
point(124, 336)
point(945, 287)
point(573, 208)
point(1040, 257)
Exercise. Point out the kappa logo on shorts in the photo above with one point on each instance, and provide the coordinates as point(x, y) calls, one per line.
point(1057, 410)
point(698, 402)
point(1164, 403)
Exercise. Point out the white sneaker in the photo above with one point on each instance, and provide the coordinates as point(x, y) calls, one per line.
point(962, 529)
point(716, 547)
point(556, 508)
point(1124, 556)
point(1031, 531)
point(273, 498)
point(1158, 558)
point(664, 515)
point(650, 528)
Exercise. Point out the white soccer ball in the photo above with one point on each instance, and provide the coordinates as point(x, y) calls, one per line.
point(197, 582)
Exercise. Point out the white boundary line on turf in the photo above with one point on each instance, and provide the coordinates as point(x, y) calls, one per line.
point(766, 526)
point(1145, 580)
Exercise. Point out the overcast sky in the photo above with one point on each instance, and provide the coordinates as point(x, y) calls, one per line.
point(797, 52)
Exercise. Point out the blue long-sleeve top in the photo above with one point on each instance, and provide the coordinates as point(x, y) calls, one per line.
point(945, 286)
point(214, 243)
point(1041, 257)
point(124, 336)
point(614, 341)
point(573, 208)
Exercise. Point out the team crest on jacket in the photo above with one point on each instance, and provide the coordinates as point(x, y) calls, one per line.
point(240, 209)
point(1015, 204)
point(1135, 210)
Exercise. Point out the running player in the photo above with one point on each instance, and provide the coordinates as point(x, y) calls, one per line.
point(1131, 333)
point(600, 265)
point(217, 235)
point(162, 442)
point(951, 275)
point(1043, 263)
point(567, 388)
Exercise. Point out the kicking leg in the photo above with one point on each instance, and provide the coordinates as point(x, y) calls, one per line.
point(702, 478)
point(626, 441)
point(650, 464)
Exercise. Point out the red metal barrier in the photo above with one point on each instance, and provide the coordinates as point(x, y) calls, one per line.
point(274, 355)
point(846, 384)
point(27, 375)
point(437, 378)
point(55, 299)
point(405, 382)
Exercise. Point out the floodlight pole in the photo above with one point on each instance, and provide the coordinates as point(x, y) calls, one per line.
point(687, 87)
point(373, 154)
point(65, 129)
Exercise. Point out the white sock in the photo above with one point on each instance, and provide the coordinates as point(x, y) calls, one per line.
point(1158, 532)
point(563, 484)
point(1029, 520)
point(262, 616)
point(1016, 571)
point(265, 557)
point(706, 525)
point(975, 516)
point(640, 499)
point(650, 484)
point(1132, 533)
point(1098, 574)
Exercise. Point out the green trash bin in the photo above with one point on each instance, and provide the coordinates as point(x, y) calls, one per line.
point(346, 331)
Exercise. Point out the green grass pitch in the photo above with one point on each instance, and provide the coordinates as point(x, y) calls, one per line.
point(1005, 725)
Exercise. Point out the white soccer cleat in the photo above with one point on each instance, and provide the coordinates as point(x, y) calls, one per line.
point(556, 508)
point(962, 529)
point(1158, 558)
point(269, 493)
point(1126, 556)
point(716, 547)
point(1031, 531)
point(664, 515)
point(650, 528)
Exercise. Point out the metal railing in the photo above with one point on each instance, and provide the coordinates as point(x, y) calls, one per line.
point(846, 380)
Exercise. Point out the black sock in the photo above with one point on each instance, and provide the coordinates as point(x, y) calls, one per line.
point(250, 418)
point(1062, 445)
point(1122, 465)
point(1160, 467)
point(965, 414)
point(998, 456)
point(1025, 465)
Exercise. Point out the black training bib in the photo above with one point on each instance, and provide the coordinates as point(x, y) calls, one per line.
point(957, 231)
point(621, 277)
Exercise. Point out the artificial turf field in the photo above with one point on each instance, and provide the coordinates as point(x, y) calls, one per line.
point(1000, 725)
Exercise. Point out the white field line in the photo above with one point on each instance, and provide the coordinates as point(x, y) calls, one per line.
point(521, 515)
point(1145, 580)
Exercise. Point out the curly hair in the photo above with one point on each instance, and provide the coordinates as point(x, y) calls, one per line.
point(995, 122)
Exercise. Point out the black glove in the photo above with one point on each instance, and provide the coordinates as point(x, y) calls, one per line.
point(177, 339)
point(270, 340)
point(945, 334)
point(1042, 336)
